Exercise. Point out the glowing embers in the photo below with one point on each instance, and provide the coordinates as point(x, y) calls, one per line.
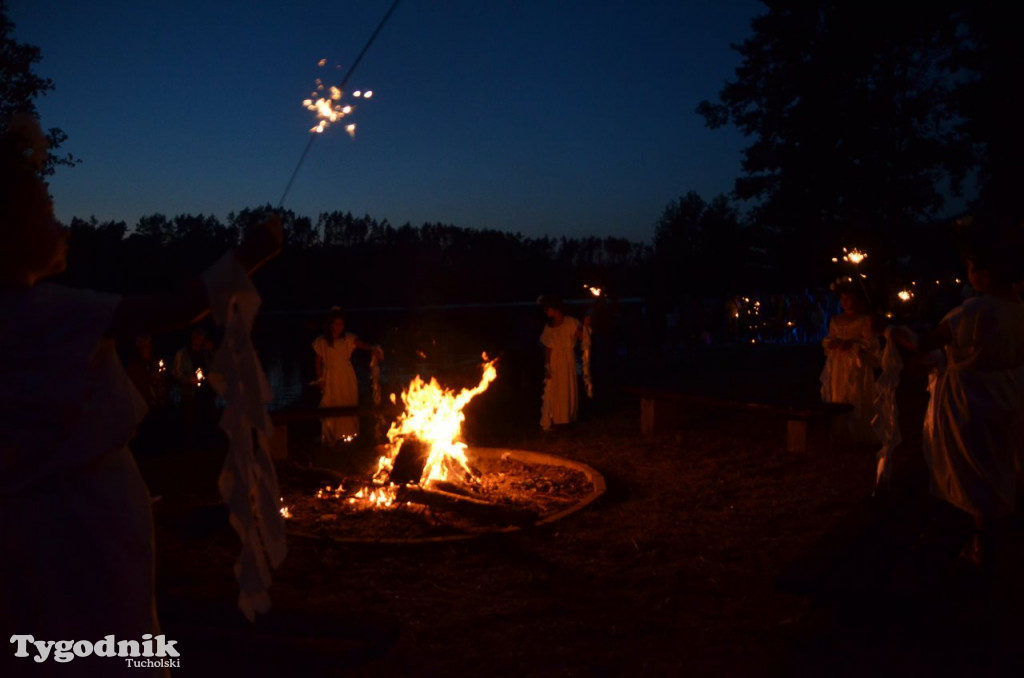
point(513, 489)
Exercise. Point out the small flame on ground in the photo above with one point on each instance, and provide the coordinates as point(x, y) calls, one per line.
point(330, 492)
point(200, 377)
point(378, 497)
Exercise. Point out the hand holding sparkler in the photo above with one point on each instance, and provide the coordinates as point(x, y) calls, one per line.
point(261, 243)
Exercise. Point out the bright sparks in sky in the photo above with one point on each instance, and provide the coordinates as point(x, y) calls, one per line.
point(325, 101)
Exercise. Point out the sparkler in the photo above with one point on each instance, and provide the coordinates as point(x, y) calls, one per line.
point(329, 108)
point(856, 256)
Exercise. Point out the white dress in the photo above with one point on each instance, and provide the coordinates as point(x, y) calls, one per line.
point(848, 376)
point(341, 389)
point(974, 425)
point(75, 514)
point(561, 390)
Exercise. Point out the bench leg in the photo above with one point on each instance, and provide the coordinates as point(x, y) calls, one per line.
point(278, 443)
point(647, 416)
point(796, 435)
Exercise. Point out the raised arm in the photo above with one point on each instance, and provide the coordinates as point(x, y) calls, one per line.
point(926, 342)
point(372, 348)
point(151, 314)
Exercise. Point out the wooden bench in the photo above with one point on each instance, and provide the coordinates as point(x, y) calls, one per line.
point(281, 419)
point(657, 405)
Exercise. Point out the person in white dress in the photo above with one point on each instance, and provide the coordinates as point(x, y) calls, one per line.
point(75, 513)
point(337, 378)
point(562, 333)
point(852, 353)
point(974, 425)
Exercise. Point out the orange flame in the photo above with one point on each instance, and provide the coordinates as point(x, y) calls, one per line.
point(434, 416)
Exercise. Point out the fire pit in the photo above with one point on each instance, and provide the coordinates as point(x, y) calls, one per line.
point(514, 489)
point(430, 486)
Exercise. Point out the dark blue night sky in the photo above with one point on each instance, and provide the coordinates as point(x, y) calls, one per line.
point(560, 118)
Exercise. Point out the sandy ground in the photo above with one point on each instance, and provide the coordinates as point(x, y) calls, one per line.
point(684, 567)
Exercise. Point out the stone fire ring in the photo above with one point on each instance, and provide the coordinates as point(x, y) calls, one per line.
point(496, 453)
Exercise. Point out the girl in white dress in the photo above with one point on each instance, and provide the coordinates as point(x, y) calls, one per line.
point(974, 425)
point(852, 353)
point(337, 378)
point(76, 527)
point(560, 403)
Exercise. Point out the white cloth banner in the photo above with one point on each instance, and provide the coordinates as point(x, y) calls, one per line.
point(886, 420)
point(248, 480)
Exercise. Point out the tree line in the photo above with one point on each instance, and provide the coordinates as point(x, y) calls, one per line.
point(342, 259)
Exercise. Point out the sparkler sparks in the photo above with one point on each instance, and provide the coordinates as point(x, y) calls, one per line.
point(340, 88)
point(853, 256)
point(326, 103)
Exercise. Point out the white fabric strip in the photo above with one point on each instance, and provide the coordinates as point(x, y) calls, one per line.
point(248, 480)
point(886, 420)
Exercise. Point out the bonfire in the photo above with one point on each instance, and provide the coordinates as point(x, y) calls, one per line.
point(427, 476)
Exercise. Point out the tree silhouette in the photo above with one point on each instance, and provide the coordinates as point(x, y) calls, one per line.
point(987, 101)
point(20, 86)
point(378, 265)
point(699, 248)
point(851, 113)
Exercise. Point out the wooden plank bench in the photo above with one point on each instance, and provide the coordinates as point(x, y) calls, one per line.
point(281, 419)
point(656, 412)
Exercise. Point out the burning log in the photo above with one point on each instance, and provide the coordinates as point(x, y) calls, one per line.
point(409, 462)
point(483, 511)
